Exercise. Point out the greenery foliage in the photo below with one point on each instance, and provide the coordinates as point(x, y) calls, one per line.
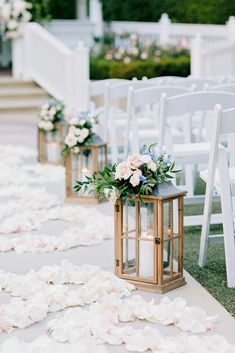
point(139, 175)
point(102, 69)
point(186, 11)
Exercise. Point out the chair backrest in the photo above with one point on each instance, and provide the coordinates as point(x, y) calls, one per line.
point(138, 98)
point(164, 80)
point(113, 92)
point(191, 103)
point(228, 88)
point(197, 84)
point(97, 88)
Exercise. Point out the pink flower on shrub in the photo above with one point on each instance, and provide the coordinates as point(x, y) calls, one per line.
point(127, 60)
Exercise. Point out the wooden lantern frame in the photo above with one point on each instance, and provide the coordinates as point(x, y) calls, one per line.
point(158, 283)
point(60, 129)
point(88, 199)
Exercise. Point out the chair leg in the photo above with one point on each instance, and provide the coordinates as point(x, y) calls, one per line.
point(227, 214)
point(189, 179)
point(206, 220)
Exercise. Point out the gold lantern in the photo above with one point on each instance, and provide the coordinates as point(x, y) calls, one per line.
point(87, 160)
point(149, 240)
point(50, 144)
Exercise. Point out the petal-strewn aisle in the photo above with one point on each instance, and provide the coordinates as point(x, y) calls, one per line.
point(99, 313)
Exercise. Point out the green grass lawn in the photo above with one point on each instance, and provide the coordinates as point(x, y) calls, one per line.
point(213, 275)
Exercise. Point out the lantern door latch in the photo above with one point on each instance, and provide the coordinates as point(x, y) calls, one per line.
point(157, 241)
point(117, 208)
point(117, 262)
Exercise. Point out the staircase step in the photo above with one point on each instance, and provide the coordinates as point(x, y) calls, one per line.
point(19, 93)
point(6, 81)
point(20, 105)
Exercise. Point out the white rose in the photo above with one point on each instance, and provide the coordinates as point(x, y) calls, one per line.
point(12, 25)
point(80, 139)
point(48, 126)
point(74, 121)
point(6, 11)
point(123, 171)
point(134, 161)
point(152, 166)
point(72, 130)
point(84, 133)
point(70, 140)
point(52, 111)
point(77, 131)
point(145, 158)
point(135, 179)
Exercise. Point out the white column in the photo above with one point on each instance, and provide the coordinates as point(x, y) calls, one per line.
point(196, 56)
point(230, 24)
point(96, 17)
point(78, 78)
point(20, 55)
point(165, 23)
point(81, 9)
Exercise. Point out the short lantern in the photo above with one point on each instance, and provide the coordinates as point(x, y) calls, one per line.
point(149, 240)
point(86, 161)
point(50, 144)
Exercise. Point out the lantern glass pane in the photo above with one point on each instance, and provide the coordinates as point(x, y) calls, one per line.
point(146, 239)
point(176, 264)
point(129, 238)
point(167, 239)
point(81, 166)
point(52, 146)
point(101, 158)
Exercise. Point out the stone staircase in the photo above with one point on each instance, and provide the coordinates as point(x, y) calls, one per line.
point(19, 97)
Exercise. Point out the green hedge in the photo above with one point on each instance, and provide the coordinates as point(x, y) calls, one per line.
point(101, 69)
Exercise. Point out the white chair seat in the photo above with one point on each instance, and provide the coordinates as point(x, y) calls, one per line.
point(204, 176)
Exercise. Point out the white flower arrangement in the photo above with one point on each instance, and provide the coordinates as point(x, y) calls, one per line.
point(50, 113)
point(140, 174)
point(80, 132)
point(13, 15)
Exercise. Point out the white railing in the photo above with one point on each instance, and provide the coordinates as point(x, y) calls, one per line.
point(62, 72)
point(167, 32)
point(70, 32)
point(212, 60)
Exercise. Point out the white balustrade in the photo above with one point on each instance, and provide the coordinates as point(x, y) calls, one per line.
point(62, 72)
point(70, 32)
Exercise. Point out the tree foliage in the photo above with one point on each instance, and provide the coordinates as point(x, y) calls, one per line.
point(186, 11)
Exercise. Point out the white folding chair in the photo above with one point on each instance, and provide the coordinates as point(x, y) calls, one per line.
point(137, 100)
point(222, 180)
point(191, 153)
point(196, 84)
point(229, 88)
point(96, 90)
point(115, 116)
point(164, 80)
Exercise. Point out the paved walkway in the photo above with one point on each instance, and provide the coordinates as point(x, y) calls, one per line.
point(23, 132)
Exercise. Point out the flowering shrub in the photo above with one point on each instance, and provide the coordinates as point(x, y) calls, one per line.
point(80, 132)
point(131, 47)
point(50, 113)
point(13, 15)
point(139, 175)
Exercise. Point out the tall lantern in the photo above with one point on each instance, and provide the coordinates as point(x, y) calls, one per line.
point(149, 240)
point(50, 144)
point(84, 161)
point(51, 132)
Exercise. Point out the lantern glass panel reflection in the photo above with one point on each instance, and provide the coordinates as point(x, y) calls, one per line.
point(88, 161)
point(50, 144)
